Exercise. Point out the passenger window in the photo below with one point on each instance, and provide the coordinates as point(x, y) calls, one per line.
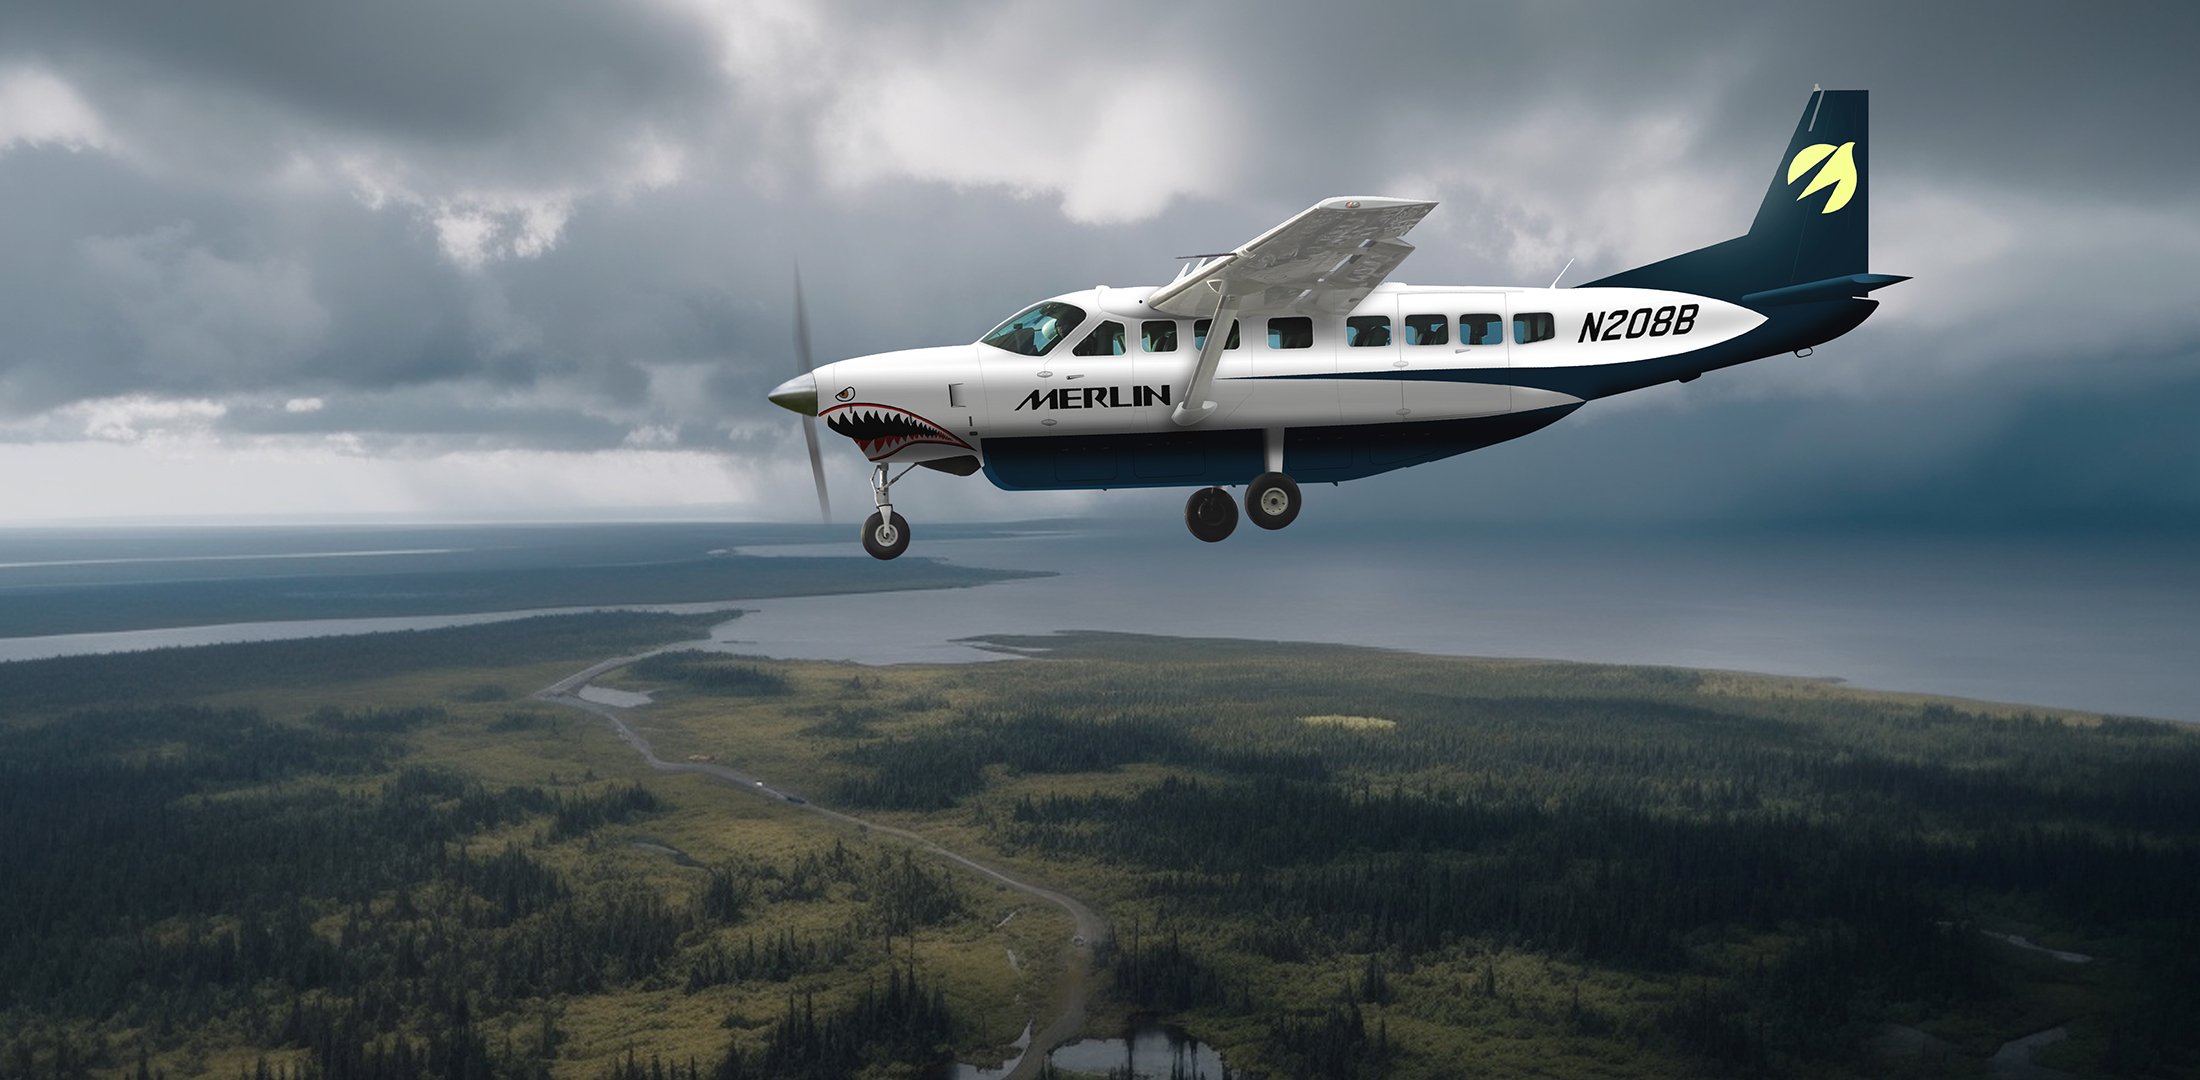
point(1481, 329)
point(1106, 339)
point(1534, 326)
point(1367, 331)
point(1427, 330)
point(1199, 334)
point(1291, 332)
point(1158, 336)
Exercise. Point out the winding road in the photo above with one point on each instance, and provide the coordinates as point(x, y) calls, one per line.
point(1070, 989)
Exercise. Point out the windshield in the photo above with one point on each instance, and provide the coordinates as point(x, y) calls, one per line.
point(1035, 331)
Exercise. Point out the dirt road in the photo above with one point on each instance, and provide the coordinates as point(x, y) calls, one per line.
point(1069, 991)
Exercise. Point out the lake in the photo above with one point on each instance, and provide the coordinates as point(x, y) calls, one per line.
point(1148, 1051)
point(2104, 623)
point(2099, 624)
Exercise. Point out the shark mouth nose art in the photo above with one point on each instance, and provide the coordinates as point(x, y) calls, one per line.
point(882, 430)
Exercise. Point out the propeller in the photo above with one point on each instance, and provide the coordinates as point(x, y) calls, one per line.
point(799, 394)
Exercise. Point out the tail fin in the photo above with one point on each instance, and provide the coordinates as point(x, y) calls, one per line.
point(1818, 207)
point(1812, 229)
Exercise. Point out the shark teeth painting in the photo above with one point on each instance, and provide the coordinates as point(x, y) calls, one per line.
point(883, 430)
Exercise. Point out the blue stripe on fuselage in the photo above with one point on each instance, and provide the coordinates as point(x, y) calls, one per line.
point(1197, 458)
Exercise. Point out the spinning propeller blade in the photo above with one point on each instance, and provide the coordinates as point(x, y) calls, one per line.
point(809, 423)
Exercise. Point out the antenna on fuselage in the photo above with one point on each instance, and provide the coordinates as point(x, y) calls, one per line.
point(1562, 272)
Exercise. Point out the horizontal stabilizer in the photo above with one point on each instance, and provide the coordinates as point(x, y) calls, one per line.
point(1833, 288)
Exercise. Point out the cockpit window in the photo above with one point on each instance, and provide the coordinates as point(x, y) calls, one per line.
point(1036, 330)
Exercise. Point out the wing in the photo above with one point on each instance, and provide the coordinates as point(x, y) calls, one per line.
point(1323, 261)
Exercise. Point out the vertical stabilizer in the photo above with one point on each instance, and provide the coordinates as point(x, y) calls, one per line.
point(1817, 211)
point(1814, 222)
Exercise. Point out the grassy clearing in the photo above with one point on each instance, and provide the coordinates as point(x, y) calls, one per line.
point(1350, 723)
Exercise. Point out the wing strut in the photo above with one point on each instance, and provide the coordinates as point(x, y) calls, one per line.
point(1193, 405)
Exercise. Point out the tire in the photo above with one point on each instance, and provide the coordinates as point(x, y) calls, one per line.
point(1272, 501)
point(1211, 514)
point(885, 537)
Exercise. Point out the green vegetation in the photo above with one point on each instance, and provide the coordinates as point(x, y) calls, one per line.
point(369, 857)
point(290, 884)
point(1537, 867)
point(714, 672)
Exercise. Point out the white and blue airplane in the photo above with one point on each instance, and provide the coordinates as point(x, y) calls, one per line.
point(1328, 371)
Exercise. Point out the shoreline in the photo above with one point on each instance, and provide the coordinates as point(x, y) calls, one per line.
point(982, 648)
point(2024, 625)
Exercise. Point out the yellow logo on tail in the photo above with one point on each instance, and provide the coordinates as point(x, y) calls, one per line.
point(1839, 172)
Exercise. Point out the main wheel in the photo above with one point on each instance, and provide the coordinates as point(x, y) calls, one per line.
point(885, 536)
point(1211, 514)
point(1272, 502)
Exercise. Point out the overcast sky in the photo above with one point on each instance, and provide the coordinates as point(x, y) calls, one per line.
point(534, 257)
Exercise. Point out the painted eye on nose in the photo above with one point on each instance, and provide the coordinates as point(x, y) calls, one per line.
point(846, 393)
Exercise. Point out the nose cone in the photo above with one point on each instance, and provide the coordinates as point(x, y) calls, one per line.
point(798, 394)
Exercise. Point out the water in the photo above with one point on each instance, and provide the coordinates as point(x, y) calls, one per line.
point(1150, 1052)
point(2087, 622)
point(40, 648)
point(169, 560)
point(2098, 624)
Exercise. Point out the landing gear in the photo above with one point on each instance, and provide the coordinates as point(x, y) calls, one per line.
point(885, 533)
point(1211, 514)
point(1272, 501)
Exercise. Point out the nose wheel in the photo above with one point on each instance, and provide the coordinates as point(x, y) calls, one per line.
point(885, 533)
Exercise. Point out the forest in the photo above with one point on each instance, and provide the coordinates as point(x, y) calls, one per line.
point(177, 867)
point(1721, 873)
point(179, 876)
point(375, 857)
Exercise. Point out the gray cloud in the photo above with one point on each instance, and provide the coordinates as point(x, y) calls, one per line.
point(573, 226)
point(424, 72)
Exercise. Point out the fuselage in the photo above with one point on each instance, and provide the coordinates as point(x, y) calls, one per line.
point(1080, 393)
point(1321, 369)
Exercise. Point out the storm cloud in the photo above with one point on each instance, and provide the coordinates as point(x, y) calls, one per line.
point(506, 253)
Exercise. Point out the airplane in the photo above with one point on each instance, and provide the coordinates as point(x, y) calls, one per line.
point(1327, 370)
